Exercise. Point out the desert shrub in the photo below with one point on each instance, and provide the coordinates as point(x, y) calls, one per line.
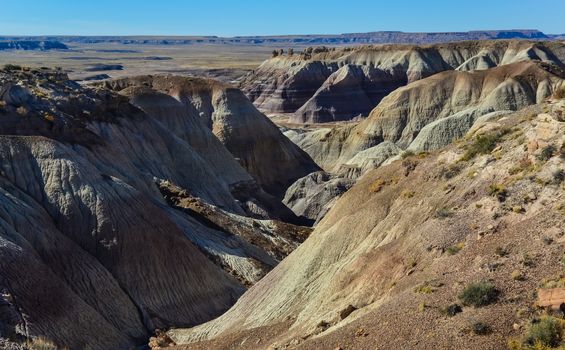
point(450, 171)
point(517, 275)
point(527, 260)
point(409, 165)
point(480, 328)
point(377, 185)
point(453, 310)
point(407, 154)
point(498, 191)
point(546, 153)
point(443, 213)
point(558, 176)
point(454, 249)
point(41, 343)
point(422, 306)
point(555, 282)
point(12, 67)
point(479, 294)
point(424, 289)
point(547, 331)
point(408, 194)
point(501, 251)
point(483, 144)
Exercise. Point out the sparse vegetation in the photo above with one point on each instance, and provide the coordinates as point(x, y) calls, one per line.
point(555, 282)
point(527, 260)
point(428, 287)
point(558, 176)
point(499, 191)
point(422, 306)
point(480, 328)
point(479, 294)
point(424, 289)
point(450, 171)
point(408, 194)
point(547, 152)
point(407, 154)
point(517, 275)
point(377, 185)
point(483, 144)
point(41, 343)
point(453, 310)
point(542, 334)
point(443, 213)
point(501, 251)
point(454, 249)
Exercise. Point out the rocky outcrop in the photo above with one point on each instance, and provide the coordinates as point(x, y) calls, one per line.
point(312, 196)
point(386, 260)
point(316, 87)
point(273, 160)
point(90, 245)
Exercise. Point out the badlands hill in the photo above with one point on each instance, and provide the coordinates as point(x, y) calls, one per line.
point(439, 250)
point(424, 115)
point(431, 112)
point(271, 158)
point(118, 218)
point(326, 85)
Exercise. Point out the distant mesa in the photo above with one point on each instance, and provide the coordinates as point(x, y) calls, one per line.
point(39, 45)
point(385, 37)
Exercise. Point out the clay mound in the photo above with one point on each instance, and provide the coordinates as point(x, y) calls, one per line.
point(399, 247)
point(273, 160)
point(313, 85)
point(313, 195)
point(90, 246)
point(449, 102)
point(347, 94)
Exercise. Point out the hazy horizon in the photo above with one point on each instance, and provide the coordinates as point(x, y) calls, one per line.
point(256, 18)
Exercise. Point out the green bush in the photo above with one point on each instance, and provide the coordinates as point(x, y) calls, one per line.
point(483, 144)
point(498, 191)
point(480, 328)
point(443, 213)
point(547, 152)
point(558, 176)
point(454, 249)
point(479, 294)
point(547, 331)
point(453, 310)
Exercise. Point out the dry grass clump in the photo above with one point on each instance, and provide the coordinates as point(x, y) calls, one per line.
point(41, 343)
point(377, 185)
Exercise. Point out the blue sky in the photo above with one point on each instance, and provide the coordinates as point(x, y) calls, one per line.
point(256, 17)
